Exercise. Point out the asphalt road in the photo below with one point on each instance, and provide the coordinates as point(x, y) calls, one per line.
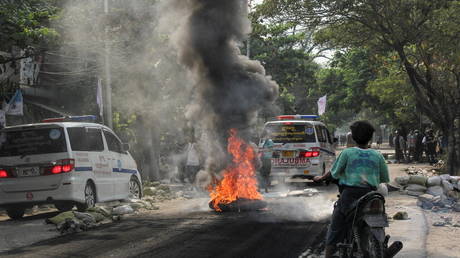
point(286, 229)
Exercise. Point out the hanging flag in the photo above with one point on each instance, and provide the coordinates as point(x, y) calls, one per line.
point(15, 106)
point(322, 105)
point(99, 100)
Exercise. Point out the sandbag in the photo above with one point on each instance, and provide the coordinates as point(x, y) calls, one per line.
point(106, 211)
point(98, 217)
point(435, 190)
point(121, 210)
point(402, 180)
point(447, 186)
point(87, 218)
point(61, 217)
point(434, 181)
point(445, 177)
point(418, 180)
point(416, 188)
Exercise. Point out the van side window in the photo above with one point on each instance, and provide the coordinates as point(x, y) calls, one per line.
point(320, 133)
point(85, 139)
point(112, 142)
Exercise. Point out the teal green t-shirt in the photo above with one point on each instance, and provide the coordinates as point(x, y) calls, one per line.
point(360, 167)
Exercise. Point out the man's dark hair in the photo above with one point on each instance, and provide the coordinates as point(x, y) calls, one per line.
point(361, 132)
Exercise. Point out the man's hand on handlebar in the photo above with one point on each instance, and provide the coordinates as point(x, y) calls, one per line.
point(326, 177)
point(318, 179)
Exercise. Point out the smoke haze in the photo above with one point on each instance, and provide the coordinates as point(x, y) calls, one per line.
point(229, 89)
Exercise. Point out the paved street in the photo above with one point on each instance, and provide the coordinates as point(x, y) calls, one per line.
point(288, 227)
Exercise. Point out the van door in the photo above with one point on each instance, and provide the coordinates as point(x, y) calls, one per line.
point(27, 152)
point(91, 159)
point(120, 173)
point(330, 148)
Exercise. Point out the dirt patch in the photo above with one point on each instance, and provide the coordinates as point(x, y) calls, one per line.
point(442, 241)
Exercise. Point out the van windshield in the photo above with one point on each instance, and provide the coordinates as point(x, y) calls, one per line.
point(290, 133)
point(32, 141)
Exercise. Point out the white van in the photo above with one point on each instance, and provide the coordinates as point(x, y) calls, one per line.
point(303, 148)
point(64, 163)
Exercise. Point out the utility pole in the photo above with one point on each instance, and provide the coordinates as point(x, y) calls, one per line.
point(248, 41)
point(108, 76)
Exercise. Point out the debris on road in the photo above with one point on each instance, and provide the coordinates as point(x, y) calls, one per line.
point(123, 210)
point(401, 215)
point(308, 192)
point(74, 221)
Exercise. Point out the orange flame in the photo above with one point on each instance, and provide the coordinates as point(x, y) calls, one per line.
point(239, 179)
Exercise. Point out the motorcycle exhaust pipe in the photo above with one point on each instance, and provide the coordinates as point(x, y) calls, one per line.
point(393, 249)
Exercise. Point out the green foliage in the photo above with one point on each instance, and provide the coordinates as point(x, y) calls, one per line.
point(285, 50)
point(25, 24)
point(124, 127)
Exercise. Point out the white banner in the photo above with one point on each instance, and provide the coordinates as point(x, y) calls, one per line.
point(322, 105)
point(15, 106)
point(99, 99)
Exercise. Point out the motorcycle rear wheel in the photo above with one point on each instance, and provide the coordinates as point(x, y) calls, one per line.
point(371, 246)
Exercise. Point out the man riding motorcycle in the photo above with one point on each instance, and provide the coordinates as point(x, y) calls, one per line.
point(359, 170)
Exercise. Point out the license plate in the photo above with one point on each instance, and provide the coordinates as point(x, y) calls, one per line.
point(29, 171)
point(288, 154)
point(306, 172)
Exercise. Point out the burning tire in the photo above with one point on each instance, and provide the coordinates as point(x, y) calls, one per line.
point(240, 205)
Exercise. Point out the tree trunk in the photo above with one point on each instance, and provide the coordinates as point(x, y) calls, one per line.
point(152, 157)
point(453, 148)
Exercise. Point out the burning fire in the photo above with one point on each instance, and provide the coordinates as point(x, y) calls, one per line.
point(239, 181)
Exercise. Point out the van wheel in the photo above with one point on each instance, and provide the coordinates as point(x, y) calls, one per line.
point(90, 198)
point(15, 213)
point(134, 188)
point(64, 206)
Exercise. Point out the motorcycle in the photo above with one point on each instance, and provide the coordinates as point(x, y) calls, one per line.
point(365, 236)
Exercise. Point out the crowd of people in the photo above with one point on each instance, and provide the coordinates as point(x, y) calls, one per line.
point(417, 146)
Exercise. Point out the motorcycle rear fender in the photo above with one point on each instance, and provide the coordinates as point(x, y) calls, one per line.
point(376, 220)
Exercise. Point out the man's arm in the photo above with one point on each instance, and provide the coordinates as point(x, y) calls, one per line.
point(337, 169)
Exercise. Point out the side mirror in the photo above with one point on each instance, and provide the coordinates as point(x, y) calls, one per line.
point(336, 140)
point(126, 147)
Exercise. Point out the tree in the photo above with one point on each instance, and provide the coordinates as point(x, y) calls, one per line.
point(150, 90)
point(287, 52)
point(25, 25)
point(424, 36)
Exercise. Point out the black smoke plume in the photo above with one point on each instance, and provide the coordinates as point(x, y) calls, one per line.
point(230, 89)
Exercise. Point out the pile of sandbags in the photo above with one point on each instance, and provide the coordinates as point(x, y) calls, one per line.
point(435, 192)
point(74, 221)
point(157, 192)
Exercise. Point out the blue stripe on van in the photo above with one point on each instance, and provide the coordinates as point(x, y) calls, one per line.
point(82, 169)
point(124, 170)
point(328, 152)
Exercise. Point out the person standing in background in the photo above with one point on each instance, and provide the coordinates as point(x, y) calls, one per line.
point(267, 154)
point(411, 146)
point(430, 146)
point(350, 141)
point(418, 146)
point(379, 141)
point(398, 149)
point(403, 146)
